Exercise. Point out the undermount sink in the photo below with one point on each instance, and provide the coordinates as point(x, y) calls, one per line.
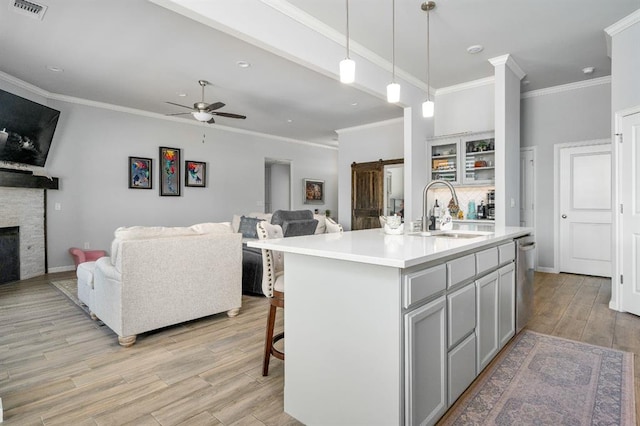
point(456, 233)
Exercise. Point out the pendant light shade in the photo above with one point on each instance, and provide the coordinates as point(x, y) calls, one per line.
point(347, 71)
point(347, 65)
point(428, 107)
point(393, 89)
point(393, 92)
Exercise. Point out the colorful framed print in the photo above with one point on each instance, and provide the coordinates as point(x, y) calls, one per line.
point(169, 171)
point(195, 174)
point(313, 191)
point(140, 173)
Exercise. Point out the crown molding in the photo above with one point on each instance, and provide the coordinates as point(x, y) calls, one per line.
point(620, 26)
point(510, 63)
point(465, 86)
point(371, 125)
point(102, 105)
point(567, 87)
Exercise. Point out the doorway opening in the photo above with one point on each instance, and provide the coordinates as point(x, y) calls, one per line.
point(277, 185)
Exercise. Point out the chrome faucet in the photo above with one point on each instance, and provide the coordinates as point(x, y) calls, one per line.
point(425, 214)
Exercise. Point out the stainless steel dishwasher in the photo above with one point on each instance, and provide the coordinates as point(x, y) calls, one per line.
point(525, 267)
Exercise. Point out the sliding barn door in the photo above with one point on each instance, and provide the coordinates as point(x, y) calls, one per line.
point(367, 195)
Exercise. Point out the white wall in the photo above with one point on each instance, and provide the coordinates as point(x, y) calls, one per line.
point(362, 144)
point(90, 154)
point(568, 114)
point(625, 63)
point(465, 108)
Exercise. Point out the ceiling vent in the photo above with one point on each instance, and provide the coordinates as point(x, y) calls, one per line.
point(28, 8)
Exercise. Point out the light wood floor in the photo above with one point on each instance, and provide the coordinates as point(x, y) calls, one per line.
point(59, 367)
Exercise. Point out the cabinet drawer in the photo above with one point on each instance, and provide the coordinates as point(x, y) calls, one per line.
point(461, 368)
point(461, 313)
point(422, 284)
point(486, 260)
point(506, 252)
point(459, 270)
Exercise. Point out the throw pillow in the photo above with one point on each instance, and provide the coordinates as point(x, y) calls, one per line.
point(295, 228)
point(332, 226)
point(248, 227)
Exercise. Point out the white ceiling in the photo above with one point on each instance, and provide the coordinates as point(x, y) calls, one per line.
point(137, 54)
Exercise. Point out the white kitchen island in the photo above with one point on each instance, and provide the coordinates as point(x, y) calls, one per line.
point(390, 329)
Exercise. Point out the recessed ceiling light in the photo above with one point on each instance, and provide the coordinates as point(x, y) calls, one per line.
point(53, 68)
point(289, 121)
point(182, 95)
point(525, 82)
point(354, 104)
point(476, 48)
point(243, 64)
point(588, 70)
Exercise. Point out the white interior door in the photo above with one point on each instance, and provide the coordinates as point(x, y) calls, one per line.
point(527, 179)
point(630, 197)
point(585, 242)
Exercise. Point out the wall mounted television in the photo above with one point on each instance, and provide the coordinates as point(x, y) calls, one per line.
point(26, 130)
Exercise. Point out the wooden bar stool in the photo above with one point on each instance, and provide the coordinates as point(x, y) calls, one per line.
point(273, 288)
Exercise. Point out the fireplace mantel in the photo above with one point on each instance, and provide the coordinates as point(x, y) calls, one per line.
point(19, 179)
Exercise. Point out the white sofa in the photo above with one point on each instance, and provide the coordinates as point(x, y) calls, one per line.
point(159, 276)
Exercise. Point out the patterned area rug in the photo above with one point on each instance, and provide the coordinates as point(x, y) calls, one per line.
point(70, 289)
point(545, 380)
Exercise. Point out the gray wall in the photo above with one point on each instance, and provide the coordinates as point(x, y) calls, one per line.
point(90, 154)
point(625, 64)
point(564, 116)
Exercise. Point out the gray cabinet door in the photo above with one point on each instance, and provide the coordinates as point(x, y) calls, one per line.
point(461, 313)
point(487, 326)
point(462, 367)
point(506, 305)
point(426, 363)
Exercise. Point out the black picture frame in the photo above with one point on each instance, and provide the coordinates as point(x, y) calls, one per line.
point(170, 179)
point(140, 173)
point(313, 191)
point(195, 174)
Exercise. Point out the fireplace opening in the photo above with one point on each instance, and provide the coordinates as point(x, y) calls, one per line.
point(9, 254)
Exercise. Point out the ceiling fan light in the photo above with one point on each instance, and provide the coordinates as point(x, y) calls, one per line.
point(347, 71)
point(202, 115)
point(393, 93)
point(428, 108)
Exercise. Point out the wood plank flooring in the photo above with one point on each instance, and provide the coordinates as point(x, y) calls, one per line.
point(59, 367)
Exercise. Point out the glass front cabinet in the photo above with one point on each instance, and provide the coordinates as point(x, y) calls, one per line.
point(468, 159)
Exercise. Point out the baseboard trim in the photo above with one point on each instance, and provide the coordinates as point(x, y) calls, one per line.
point(547, 270)
point(61, 269)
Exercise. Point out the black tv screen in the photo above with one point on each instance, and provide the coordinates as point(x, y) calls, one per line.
point(26, 129)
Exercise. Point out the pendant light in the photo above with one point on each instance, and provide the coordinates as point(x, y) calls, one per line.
point(347, 65)
point(428, 106)
point(393, 89)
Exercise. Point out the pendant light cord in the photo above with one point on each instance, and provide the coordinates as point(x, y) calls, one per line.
point(348, 30)
point(393, 41)
point(428, 60)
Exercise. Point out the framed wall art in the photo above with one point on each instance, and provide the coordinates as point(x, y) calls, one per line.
point(140, 173)
point(195, 174)
point(169, 171)
point(313, 191)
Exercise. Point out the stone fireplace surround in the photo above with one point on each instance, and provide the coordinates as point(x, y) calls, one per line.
point(23, 204)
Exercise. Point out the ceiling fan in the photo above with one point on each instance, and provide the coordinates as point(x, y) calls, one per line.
point(203, 111)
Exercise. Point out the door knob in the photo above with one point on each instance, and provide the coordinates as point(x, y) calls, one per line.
point(564, 216)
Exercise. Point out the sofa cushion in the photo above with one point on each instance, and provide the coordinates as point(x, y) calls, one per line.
point(295, 228)
point(279, 216)
point(248, 226)
point(322, 224)
point(332, 226)
point(235, 221)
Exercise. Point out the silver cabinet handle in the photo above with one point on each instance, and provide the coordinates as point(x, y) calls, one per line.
point(564, 216)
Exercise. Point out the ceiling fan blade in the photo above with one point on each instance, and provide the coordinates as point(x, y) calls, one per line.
point(214, 106)
point(211, 121)
point(229, 115)
point(179, 113)
point(183, 106)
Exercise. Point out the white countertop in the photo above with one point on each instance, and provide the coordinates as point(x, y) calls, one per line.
point(375, 247)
